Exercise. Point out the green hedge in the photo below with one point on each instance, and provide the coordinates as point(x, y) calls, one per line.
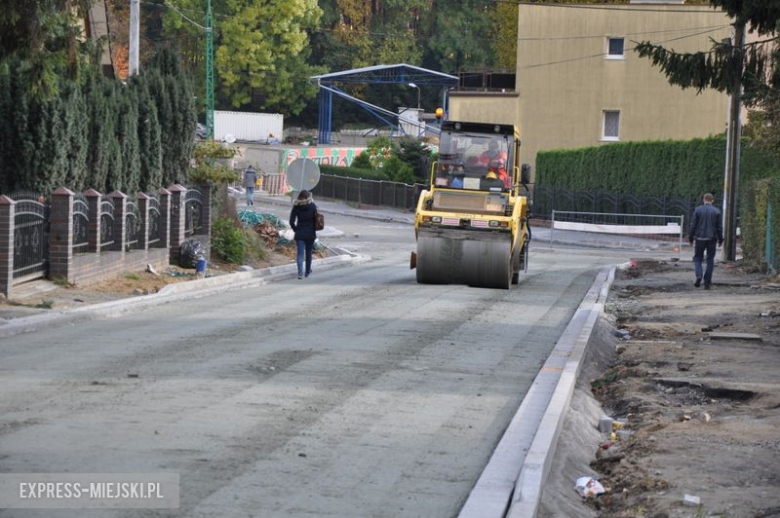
point(353, 172)
point(97, 132)
point(659, 168)
point(756, 198)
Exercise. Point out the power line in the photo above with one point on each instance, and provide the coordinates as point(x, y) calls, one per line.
point(598, 36)
point(604, 7)
point(602, 54)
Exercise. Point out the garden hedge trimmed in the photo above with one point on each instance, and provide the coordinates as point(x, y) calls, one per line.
point(656, 168)
point(755, 225)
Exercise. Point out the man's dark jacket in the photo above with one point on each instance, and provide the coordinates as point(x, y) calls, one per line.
point(705, 224)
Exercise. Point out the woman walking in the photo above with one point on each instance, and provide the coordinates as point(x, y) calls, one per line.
point(302, 221)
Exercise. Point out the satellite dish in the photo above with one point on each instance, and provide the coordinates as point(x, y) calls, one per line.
point(302, 174)
point(230, 138)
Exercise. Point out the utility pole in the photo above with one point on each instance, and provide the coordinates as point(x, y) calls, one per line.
point(135, 29)
point(209, 72)
point(733, 151)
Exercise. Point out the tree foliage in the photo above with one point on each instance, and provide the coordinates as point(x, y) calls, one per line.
point(756, 66)
point(95, 133)
point(46, 38)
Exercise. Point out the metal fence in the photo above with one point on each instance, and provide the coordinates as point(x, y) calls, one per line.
point(369, 192)
point(626, 231)
point(154, 222)
point(193, 212)
point(31, 235)
point(80, 224)
point(106, 224)
point(132, 225)
point(547, 199)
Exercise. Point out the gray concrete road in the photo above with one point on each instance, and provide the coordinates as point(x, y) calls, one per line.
point(354, 393)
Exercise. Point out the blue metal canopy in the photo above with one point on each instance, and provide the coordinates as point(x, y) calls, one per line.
point(379, 74)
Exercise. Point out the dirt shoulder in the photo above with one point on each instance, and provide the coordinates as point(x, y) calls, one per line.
point(704, 411)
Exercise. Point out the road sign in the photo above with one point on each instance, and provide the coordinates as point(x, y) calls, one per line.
point(302, 174)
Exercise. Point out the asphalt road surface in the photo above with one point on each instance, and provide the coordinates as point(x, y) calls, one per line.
point(354, 393)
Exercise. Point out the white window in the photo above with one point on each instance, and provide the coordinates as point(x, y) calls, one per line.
point(611, 125)
point(615, 48)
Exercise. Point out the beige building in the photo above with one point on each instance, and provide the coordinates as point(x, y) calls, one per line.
point(579, 83)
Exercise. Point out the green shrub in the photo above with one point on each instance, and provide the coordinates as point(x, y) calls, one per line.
point(228, 241)
point(362, 161)
point(399, 171)
point(655, 168)
point(757, 196)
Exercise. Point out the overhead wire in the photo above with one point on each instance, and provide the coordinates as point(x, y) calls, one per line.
point(610, 7)
point(602, 54)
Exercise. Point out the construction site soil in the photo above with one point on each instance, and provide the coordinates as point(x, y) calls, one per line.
point(691, 376)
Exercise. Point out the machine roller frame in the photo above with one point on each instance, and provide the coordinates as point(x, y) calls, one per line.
point(471, 227)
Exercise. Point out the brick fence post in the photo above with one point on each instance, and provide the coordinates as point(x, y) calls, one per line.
point(7, 211)
point(61, 235)
point(177, 220)
point(143, 214)
point(205, 189)
point(94, 199)
point(165, 218)
point(120, 216)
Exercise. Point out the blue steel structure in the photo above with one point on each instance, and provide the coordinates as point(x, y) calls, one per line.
point(400, 74)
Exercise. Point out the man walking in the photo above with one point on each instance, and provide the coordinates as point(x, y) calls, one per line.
point(707, 232)
point(250, 180)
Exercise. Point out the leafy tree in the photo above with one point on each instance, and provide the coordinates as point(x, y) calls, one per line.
point(263, 52)
point(755, 66)
point(46, 37)
point(413, 153)
point(462, 28)
point(505, 40)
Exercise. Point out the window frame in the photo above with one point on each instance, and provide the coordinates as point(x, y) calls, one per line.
point(604, 136)
point(617, 57)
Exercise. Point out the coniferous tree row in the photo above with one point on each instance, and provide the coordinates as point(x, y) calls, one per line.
point(97, 132)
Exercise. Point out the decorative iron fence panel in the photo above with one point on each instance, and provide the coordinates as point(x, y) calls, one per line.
point(31, 236)
point(155, 233)
point(106, 224)
point(132, 225)
point(80, 224)
point(193, 212)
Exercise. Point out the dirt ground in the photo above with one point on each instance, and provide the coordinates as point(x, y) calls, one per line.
point(704, 412)
point(38, 296)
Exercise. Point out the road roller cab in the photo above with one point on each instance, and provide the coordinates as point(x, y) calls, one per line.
point(471, 223)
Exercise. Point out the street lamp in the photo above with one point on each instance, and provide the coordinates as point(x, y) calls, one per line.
point(418, 93)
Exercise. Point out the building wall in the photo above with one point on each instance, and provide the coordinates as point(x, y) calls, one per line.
point(500, 108)
point(565, 81)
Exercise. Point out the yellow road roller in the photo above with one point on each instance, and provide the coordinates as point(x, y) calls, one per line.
point(471, 224)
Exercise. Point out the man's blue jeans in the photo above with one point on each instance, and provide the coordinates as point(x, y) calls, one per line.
point(710, 245)
point(250, 194)
point(304, 245)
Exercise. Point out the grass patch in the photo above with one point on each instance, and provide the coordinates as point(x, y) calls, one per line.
point(132, 276)
point(62, 282)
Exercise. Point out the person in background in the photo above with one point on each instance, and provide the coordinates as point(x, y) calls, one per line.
point(706, 231)
point(250, 180)
point(303, 224)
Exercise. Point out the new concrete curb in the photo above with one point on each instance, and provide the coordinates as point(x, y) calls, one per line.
point(171, 293)
point(511, 483)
